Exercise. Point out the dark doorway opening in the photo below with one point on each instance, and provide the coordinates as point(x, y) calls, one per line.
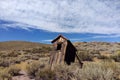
point(59, 46)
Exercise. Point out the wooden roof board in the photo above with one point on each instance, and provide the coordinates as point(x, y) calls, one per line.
point(58, 38)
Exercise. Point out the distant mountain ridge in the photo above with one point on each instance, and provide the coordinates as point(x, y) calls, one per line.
point(18, 45)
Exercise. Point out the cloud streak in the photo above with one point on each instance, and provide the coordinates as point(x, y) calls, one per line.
point(107, 36)
point(76, 16)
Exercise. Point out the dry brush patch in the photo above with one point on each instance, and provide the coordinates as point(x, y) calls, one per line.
point(8, 72)
point(104, 70)
point(99, 71)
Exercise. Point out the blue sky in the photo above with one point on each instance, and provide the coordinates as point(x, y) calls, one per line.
point(43, 20)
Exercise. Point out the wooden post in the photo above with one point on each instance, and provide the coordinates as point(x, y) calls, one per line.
point(81, 64)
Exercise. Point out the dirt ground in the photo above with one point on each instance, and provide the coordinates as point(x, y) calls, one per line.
point(23, 76)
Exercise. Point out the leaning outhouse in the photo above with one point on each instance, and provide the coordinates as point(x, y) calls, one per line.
point(64, 51)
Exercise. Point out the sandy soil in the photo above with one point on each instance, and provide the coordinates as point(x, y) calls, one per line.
point(23, 76)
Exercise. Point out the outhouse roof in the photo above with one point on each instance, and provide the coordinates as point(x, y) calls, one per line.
point(58, 38)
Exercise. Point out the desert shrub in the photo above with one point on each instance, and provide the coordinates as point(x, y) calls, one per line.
point(88, 55)
point(12, 54)
point(3, 54)
point(36, 50)
point(116, 57)
point(48, 48)
point(35, 57)
point(33, 67)
point(103, 57)
point(28, 56)
point(4, 62)
point(94, 52)
point(9, 54)
point(4, 75)
point(41, 50)
point(45, 74)
point(85, 55)
point(105, 70)
point(27, 51)
point(60, 72)
point(23, 58)
point(17, 60)
point(90, 71)
point(39, 72)
point(8, 72)
point(64, 72)
point(95, 72)
point(13, 70)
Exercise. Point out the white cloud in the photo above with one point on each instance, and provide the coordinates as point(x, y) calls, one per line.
point(78, 16)
point(71, 39)
point(47, 40)
point(107, 36)
point(75, 39)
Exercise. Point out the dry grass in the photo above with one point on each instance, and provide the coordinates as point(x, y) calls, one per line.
point(99, 71)
point(35, 62)
point(8, 72)
point(104, 70)
point(19, 45)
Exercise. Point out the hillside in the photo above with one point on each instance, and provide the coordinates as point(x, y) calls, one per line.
point(18, 45)
point(29, 61)
point(98, 46)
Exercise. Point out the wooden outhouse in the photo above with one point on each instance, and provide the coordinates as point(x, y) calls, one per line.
point(64, 51)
